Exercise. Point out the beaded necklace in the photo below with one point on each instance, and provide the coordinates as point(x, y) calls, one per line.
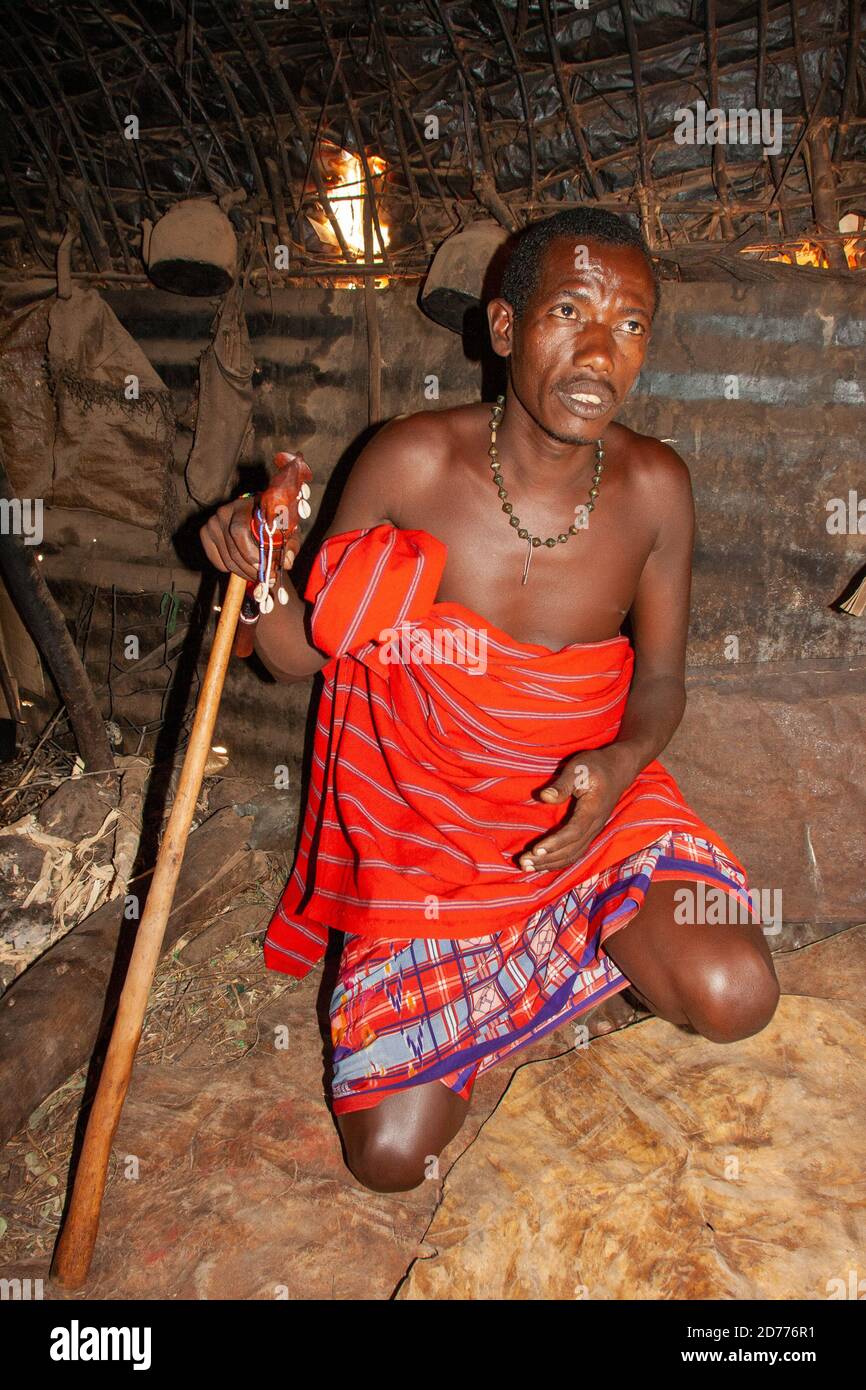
point(507, 507)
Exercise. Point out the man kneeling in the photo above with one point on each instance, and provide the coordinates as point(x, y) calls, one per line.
point(487, 818)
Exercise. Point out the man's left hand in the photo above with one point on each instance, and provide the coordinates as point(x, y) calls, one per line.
point(595, 780)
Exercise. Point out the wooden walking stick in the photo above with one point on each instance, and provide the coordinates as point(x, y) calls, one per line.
point(74, 1250)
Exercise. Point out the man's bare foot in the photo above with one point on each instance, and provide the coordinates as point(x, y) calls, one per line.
point(614, 1013)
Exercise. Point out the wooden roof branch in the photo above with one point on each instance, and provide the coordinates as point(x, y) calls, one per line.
point(263, 126)
point(336, 59)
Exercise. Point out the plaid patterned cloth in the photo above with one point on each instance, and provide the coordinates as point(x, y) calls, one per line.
point(420, 1009)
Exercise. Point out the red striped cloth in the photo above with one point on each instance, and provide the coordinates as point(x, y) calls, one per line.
point(434, 730)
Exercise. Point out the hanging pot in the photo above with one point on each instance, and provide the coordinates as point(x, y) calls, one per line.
point(192, 249)
point(465, 272)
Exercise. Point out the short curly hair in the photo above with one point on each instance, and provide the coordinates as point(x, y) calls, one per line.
point(522, 271)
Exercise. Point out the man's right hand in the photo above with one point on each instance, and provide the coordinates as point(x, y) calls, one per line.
point(230, 544)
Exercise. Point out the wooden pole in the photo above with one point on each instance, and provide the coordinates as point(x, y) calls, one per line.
point(46, 624)
point(823, 181)
point(371, 310)
point(74, 1250)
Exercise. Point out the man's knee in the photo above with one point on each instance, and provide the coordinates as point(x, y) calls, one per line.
point(732, 995)
point(385, 1162)
point(394, 1145)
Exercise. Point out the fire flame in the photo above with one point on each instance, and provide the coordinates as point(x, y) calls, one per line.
point(810, 253)
point(343, 174)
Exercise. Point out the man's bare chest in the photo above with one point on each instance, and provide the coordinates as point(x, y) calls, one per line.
point(576, 591)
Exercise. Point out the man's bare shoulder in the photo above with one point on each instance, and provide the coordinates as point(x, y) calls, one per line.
point(412, 453)
point(651, 465)
point(659, 482)
point(427, 436)
point(405, 459)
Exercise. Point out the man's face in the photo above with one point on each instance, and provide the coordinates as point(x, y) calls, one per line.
point(579, 345)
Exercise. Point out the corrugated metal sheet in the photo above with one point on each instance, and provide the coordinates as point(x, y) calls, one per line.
point(765, 464)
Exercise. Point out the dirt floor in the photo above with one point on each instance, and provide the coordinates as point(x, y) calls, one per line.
point(649, 1164)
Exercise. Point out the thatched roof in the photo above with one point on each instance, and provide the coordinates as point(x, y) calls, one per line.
point(501, 107)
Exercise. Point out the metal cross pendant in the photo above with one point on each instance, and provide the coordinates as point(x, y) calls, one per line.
point(528, 558)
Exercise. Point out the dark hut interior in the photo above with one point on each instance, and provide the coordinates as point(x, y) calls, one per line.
point(230, 228)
